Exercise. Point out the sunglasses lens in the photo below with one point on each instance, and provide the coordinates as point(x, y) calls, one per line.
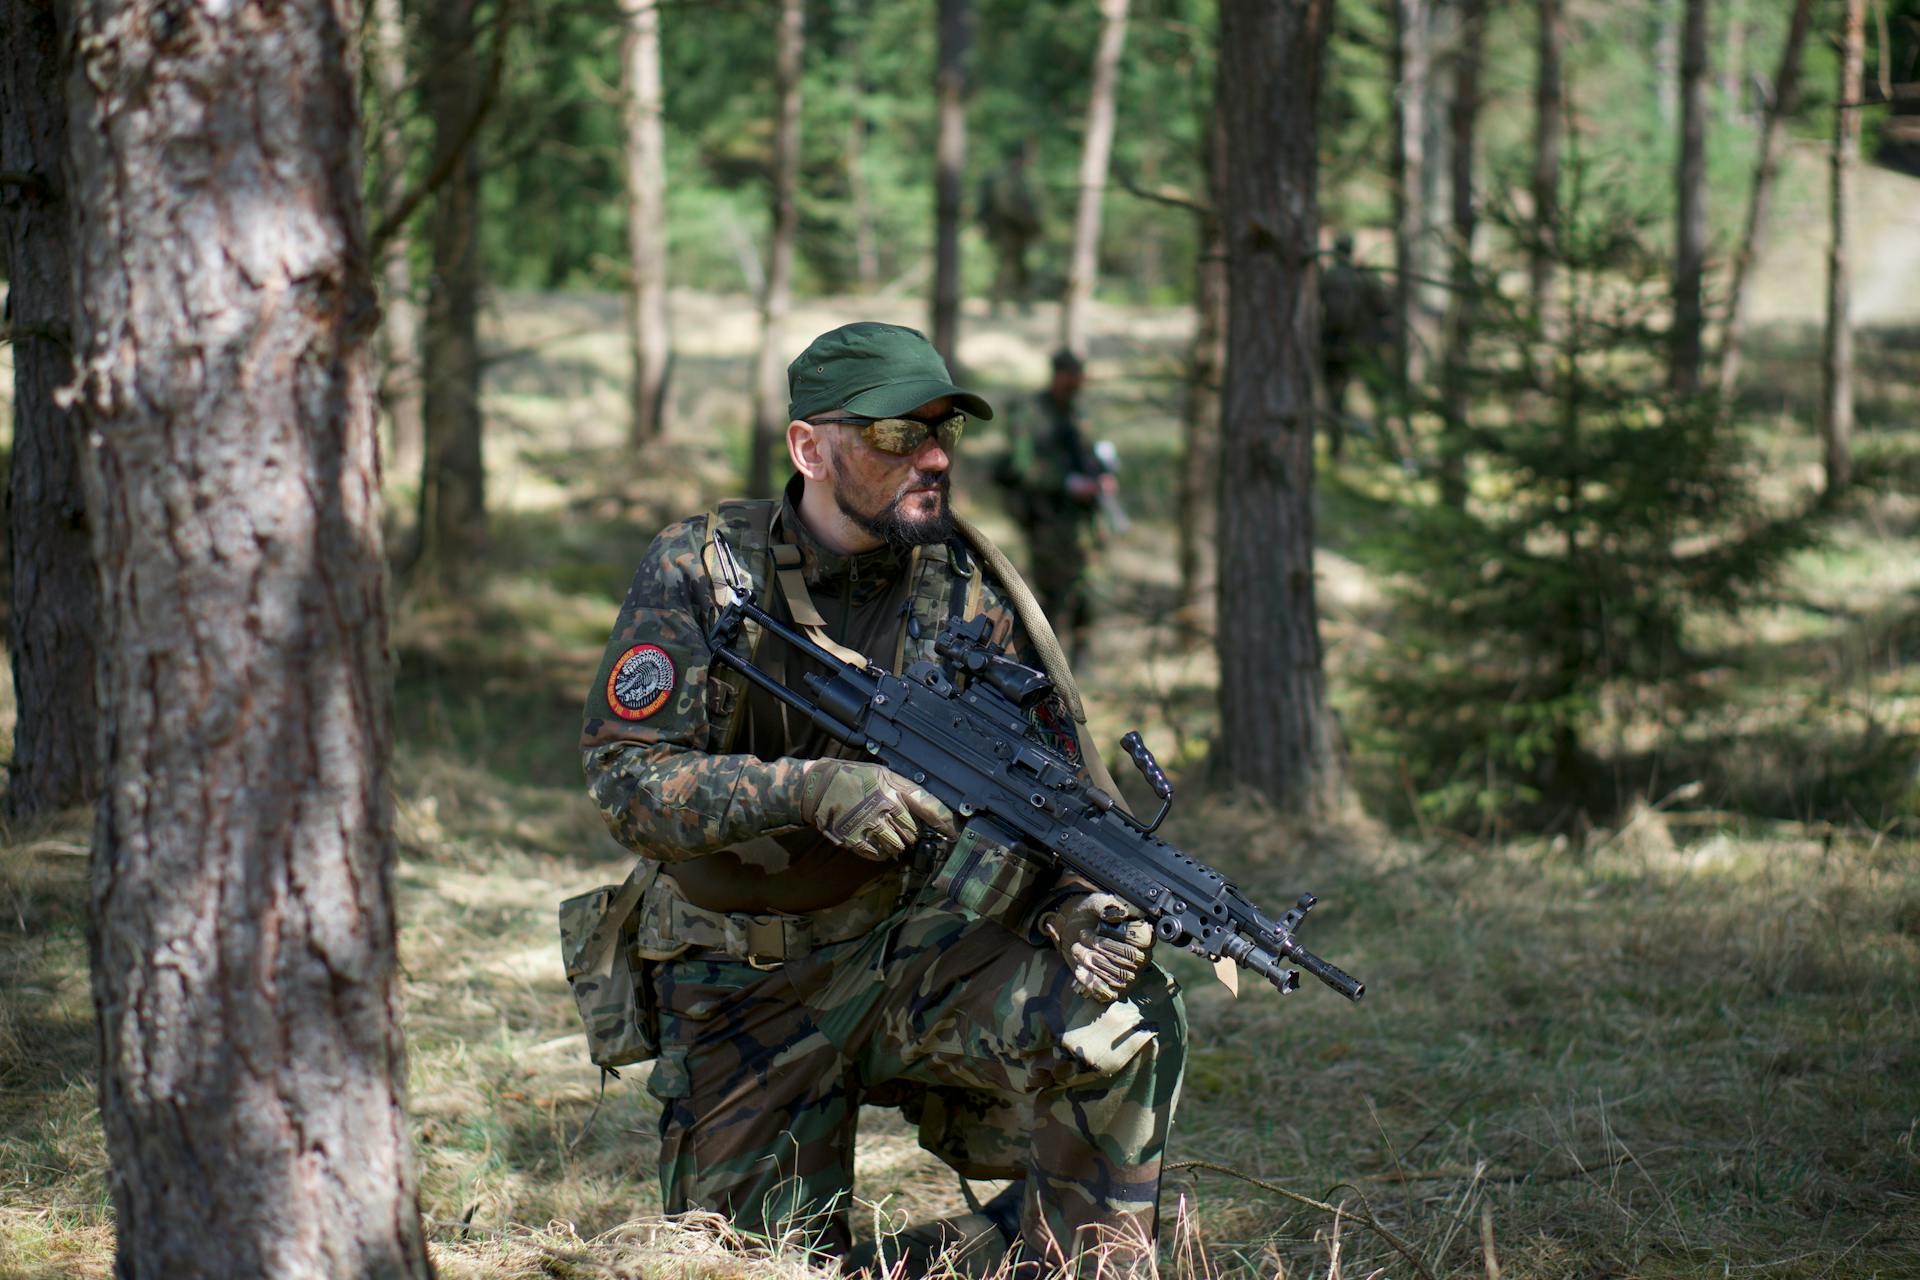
point(903, 435)
point(895, 435)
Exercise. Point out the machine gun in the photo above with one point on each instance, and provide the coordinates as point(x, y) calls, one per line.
point(960, 729)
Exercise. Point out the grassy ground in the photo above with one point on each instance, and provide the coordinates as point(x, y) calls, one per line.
point(1685, 1045)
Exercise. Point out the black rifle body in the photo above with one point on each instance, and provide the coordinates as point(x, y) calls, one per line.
point(960, 731)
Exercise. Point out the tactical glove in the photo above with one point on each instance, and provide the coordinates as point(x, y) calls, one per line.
point(1104, 940)
point(868, 808)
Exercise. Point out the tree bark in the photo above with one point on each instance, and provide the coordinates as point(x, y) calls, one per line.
point(1733, 71)
point(1278, 734)
point(1549, 122)
point(1786, 92)
point(53, 612)
point(1200, 458)
point(647, 332)
point(1083, 265)
point(1690, 224)
point(866, 250)
point(1836, 406)
point(770, 383)
point(1412, 68)
point(453, 506)
point(242, 929)
point(950, 164)
point(399, 346)
point(1463, 116)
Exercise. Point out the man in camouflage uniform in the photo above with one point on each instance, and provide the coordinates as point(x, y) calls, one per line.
point(1054, 483)
point(799, 967)
point(1356, 333)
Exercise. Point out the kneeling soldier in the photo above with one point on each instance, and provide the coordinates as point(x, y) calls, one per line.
point(796, 968)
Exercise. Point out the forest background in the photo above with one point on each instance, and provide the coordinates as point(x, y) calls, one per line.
point(1629, 708)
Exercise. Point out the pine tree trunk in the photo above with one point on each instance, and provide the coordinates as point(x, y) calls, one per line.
point(54, 611)
point(1083, 265)
point(1200, 457)
point(1690, 229)
point(1549, 121)
point(1432, 295)
point(1666, 57)
point(242, 927)
point(950, 163)
point(1836, 408)
point(399, 346)
point(647, 333)
point(1463, 116)
point(1411, 70)
point(1278, 734)
point(1733, 72)
point(453, 508)
point(1786, 92)
point(866, 250)
point(770, 382)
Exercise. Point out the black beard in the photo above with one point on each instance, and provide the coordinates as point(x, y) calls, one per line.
point(888, 525)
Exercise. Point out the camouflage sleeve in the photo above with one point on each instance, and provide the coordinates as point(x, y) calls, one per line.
point(645, 745)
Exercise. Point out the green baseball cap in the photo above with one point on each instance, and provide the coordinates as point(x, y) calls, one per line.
point(874, 370)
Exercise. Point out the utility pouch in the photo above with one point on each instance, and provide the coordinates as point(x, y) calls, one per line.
point(986, 875)
point(610, 985)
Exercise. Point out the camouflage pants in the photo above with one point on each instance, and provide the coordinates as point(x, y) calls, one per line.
point(1059, 577)
point(762, 1074)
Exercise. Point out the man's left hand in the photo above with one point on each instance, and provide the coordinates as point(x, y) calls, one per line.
point(1105, 941)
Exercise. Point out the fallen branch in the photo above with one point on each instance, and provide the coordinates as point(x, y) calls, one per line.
point(1366, 1210)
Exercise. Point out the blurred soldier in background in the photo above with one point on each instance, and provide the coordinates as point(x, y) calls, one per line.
point(1011, 215)
point(1054, 482)
point(1356, 334)
point(794, 966)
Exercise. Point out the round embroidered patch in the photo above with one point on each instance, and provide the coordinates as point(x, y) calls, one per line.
point(640, 682)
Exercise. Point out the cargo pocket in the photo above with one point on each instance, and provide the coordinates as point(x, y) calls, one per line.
point(670, 1078)
point(987, 876)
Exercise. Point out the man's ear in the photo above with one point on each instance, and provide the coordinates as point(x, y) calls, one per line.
point(807, 446)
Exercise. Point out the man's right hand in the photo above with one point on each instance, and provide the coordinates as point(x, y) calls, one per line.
point(868, 808)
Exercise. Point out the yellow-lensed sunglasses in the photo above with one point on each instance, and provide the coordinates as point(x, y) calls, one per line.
point(902, 436)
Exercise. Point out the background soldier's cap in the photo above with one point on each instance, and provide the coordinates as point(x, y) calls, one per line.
point(875, 370)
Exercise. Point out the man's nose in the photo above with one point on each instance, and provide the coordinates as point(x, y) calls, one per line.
point(931, 457)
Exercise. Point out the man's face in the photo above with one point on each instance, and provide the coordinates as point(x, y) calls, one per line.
point(900, 499)
point(1067, 384)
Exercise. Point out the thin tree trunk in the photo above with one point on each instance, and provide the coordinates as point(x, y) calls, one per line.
point(1733, 72)
point(1690, 230)
point(1836, 406)
point(1666, 57)
point(1786, 92)
point(647, 333)
point(1549, 121)
point(453, 509)
point(54, 611)
point(1083, 265)
point(1278, 734)
point(770, 383)
point(399, 346)
point(866, 252)
point(950, 163)
point(1442, 36)
point(1412, 69)
point(1200, 459)
point(1463, 116)
point(242, 932)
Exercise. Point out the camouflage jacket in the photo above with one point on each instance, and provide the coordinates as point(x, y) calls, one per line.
point(1046, 444)
point(688, 765)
